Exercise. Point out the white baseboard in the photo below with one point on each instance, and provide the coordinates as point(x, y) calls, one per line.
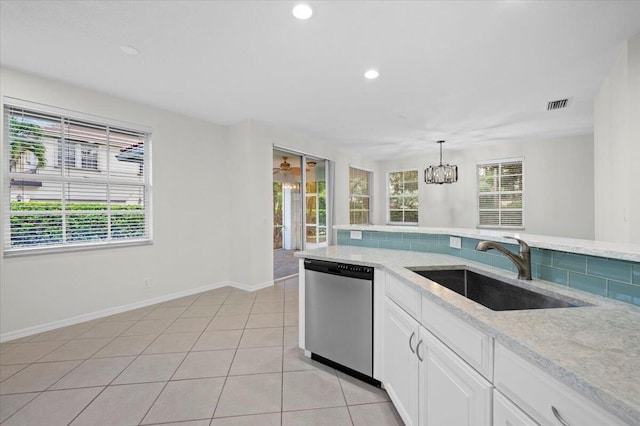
point(24, 332)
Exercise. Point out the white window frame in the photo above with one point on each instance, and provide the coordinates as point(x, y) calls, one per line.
point(369, 195)
point(5, 234)
point(498, 163)
point(388, 199)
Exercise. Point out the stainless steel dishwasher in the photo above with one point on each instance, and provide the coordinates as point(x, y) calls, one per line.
point(339, 316)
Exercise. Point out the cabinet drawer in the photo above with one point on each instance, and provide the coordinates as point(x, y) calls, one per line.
point(471, 344)
point(506, 413)
point(536, 392)
point(404, 294)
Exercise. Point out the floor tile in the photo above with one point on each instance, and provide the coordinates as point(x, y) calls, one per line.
point(240, 299)
point(209, 301)
point(234, 309)
point(77, 349)
point(295, 360)
point(125, 345)
point(205, 422)
point(151, 368)
point(358, 392)
point(267, 308)
point(94, 372)
point(272, 419)
point(53, 408)
point(257, 360)
point(120, 405)
point(259, 337)
point(7, 371)
point(9, 404)
point(382, 414)
point(204, 311)
point(144, 327)
point(6, 346)
point(180, 302)
point(338, 416)
point(265, 320)
point(165, 313)
point(228, 322)
point(167, 343)
point(186, 400)
point(291, 335)
point(254, 394)
point(29, 352)
point(270, 298)
point(205, 364)
point(291, 319)
point(63, 333)
point(132, 315)
point(186, 325)
point(310, 389)
point(37, 377)
point(213, 340)
point(107, 329)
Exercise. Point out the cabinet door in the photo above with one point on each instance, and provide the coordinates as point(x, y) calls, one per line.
point(451, 392)
point(506, 413)
point(399, 361)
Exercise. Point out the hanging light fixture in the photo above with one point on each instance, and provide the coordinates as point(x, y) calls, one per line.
point(442, 173)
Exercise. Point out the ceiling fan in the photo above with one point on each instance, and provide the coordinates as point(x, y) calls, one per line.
point(286, 168)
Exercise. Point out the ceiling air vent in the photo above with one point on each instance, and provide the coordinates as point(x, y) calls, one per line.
point(559, 104)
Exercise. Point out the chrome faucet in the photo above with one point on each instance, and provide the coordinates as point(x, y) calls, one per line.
point(522, 260)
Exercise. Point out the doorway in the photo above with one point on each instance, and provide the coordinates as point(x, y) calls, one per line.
point(299, 208)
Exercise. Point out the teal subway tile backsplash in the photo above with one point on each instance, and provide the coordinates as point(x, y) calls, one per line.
point(541, 256)
point(587, 283)
point(625, 292)
point(558, 276)
point(616, 279)
point(609, 268)
point(570, 261)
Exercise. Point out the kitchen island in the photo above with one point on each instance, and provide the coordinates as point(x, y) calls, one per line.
point(594, 350)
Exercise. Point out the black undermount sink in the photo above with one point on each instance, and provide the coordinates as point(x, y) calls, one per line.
point(495, 294)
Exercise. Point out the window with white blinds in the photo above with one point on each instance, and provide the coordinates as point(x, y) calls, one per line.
point(403, 197)
point(359, 196)
point(73, 181)
point(501, 193)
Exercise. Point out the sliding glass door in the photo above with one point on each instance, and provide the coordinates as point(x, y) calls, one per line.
point(315, 203)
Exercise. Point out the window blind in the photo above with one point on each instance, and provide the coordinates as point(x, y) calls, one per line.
point(73, 182)
point(403, 197)
point(359, 196)
point(501, 194)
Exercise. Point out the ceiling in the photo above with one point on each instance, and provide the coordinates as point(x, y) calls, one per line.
point(467, 72)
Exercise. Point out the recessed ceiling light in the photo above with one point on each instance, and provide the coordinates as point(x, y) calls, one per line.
point(302, 11)
point(129, 50)
point(371, 74)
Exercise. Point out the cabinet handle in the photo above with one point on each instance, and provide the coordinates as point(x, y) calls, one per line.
point(559, 417)
point(410, 340)
point(418, 350)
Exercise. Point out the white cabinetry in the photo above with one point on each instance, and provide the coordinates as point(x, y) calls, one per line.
point(542, 397)
point(451, 392)
point(427, 382)
point(506, 413)
point(401, 369)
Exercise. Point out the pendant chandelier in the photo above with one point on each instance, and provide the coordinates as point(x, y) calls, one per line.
point(442, 173)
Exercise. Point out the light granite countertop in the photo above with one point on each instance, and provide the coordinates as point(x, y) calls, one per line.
point(611, 250)
point(595, 349)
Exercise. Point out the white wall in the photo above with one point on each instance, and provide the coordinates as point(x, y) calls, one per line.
point(191, 218)
point(556, 202)
point(617, 149)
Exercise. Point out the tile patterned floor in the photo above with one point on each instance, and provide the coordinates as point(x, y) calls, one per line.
point(224, 357)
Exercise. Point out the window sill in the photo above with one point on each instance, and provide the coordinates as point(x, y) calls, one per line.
point(402, 223)
point(501, 228)
point(32, 251)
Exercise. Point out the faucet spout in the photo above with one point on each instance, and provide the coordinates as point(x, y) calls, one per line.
point(522, 261)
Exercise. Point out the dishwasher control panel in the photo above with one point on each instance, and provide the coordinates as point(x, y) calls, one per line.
point(354, 268)
point(344, 269)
